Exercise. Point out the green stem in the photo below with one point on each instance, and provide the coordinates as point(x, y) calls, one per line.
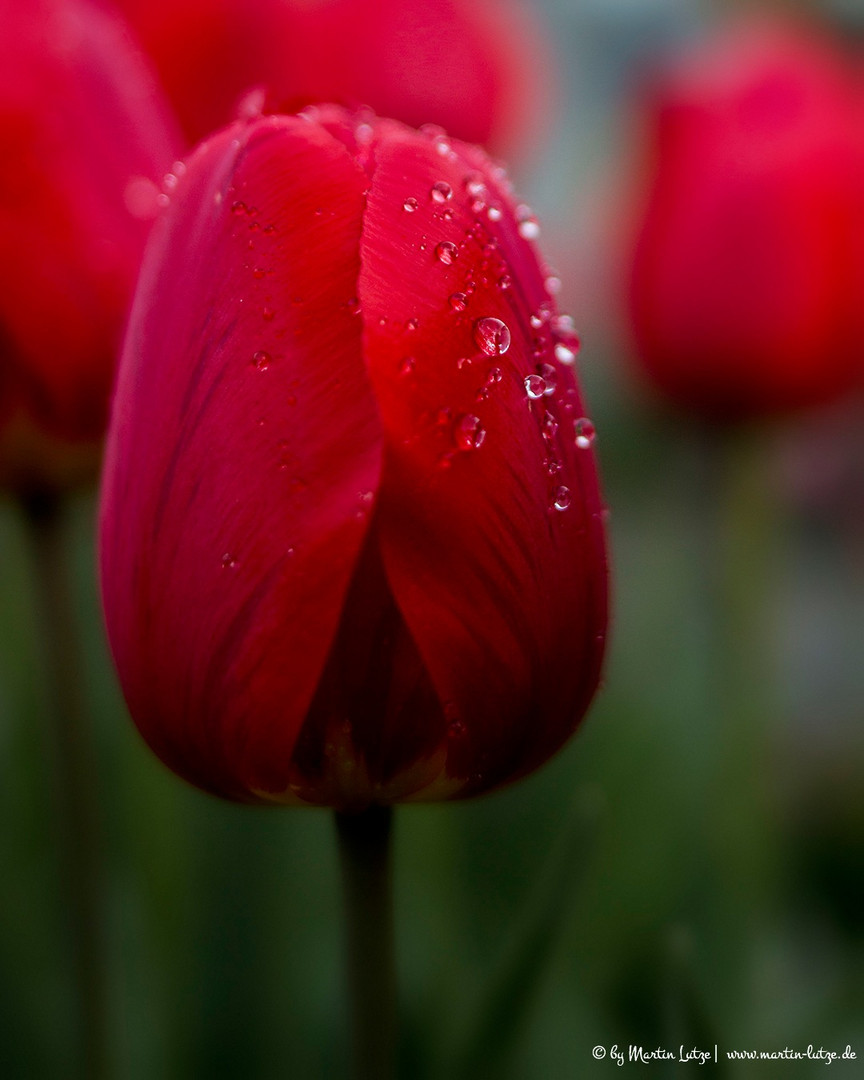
point(73, 771)
point(364, 849)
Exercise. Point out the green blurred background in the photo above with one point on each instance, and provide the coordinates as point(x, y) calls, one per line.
point(690, 869)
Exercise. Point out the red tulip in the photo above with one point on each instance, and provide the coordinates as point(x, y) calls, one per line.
point(85, 137)
point(480, 68)
point(351, 536)
point(747, 278)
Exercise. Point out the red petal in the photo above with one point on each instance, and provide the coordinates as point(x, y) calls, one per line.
point(504, 594)
point(81, 124)
point(244, 454)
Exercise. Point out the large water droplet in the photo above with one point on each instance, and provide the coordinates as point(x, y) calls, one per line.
point(494, 213)
point(585, 432)
point(441, 191)
point(549, 376)
point(446, 252)
point(535, 386)
point(469, 433)
point(529, 227)
point(492, 336)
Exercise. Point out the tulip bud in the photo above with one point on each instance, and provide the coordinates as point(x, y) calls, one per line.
point(748, 271)
point(86, 140)
point(480, 68)
point(352, 545)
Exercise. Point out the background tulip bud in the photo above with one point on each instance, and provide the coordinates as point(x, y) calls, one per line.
point(351, 537)
point(749, 266)
point(86, 138)
point(480, 68)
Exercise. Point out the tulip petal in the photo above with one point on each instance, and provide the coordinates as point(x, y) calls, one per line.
point(246, 413)
point(503, 590)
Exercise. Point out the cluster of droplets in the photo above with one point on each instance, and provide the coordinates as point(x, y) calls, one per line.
point(554, 343)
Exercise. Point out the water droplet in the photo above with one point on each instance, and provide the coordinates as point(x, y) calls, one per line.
point(529, 227)
point(535, 386)
point(553, 466)
point(463, 363)
point(353, 306)
point(458, 301)
point(553, 284)
point(228, 561)
point(441, 191)
point(169, 181)
point(550, 425)
point(492, 336)
point(456, 729)
point(562, 498)
point(494, 213)
point(238, 207)
point(446, 252)
point(469, 433)
point(162, 200)
point(411, 325)
point(495, 375)
point(432, 131)
point(505, 282)
point(268, 314)
point(259, 272)
point(585, 432)
point(407, 366)
point(568, 343)
point(549, 376)
point(410, 205)
point(262, 360)
point(564, 354)
point(474, 184)
point(442, 146)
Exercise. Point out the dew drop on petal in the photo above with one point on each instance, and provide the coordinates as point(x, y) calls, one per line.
point(458, 301)
point(564, 354)
point(494, 213)
point(238, 207)
point(407, 366)
point(585, 432)
point(469, 433)
point(553, 284)
point(410, 205)
point(492, 336)
point(529, 227)
point(562, 498)
point(535, 386)
point(505, 282)
point(228, 561)
point(262, 360)
point(446, 252)
point(440, 191)
point(550, 378)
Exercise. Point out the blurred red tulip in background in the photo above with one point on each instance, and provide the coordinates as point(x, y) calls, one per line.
point(748, 272)
point(85, 141)
point(351, 536)
point(479, 68)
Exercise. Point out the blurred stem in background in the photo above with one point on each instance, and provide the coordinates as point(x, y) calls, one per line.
point(73, 773)
point(741, 529)
point(367, 876)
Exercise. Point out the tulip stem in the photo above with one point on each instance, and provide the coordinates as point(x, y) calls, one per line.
point(72, 769)
point(364, 849)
